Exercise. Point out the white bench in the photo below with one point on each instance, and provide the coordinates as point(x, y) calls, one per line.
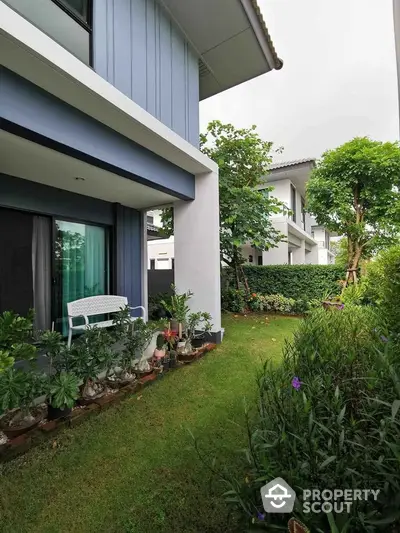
point(96, 305)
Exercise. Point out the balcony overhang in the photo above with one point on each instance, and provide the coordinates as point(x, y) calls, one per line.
point(230, 37)
point(298, 172)
point(30, 53)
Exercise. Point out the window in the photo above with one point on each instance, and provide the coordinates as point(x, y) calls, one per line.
point(81, 265)
point(163, 264)
point(250, 258)
point(150, 219)
point(293, 202)
point(327, 240)
point(79, 9)
point(259, 260)
point(303, 213)
point(173, 263)
point(152, 264)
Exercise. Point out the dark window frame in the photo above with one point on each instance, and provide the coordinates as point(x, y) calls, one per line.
point(303, 213)
point(67, 8)
point(86, 24)
point(293, 202)
point(152, 264)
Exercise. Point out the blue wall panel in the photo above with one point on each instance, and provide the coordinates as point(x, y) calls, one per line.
point(128, 244)
point(54, 123)
point(138, 49)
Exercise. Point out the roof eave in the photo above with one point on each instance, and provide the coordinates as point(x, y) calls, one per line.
point(257, 21)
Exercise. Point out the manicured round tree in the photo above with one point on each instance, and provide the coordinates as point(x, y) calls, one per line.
point(354, 191)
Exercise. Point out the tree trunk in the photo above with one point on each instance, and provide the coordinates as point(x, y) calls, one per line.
point(237, 277)
point(353, 262)
point(245, 281)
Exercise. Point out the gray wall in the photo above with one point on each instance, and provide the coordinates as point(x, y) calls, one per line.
point(60, 26)
point(159, 281)
point(138, 49)
point(30, 196)
point(43, 118)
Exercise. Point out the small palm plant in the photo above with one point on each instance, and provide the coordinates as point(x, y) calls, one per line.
point(19, 390)
point(198, 325)
point(90, 355)
point(178, 308)
point(62, 394)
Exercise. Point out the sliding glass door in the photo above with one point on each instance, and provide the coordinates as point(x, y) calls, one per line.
point(81, 265)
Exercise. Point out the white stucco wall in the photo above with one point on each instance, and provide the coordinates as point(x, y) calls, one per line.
point(281, 191)
point(197, 250)
point(159, 250)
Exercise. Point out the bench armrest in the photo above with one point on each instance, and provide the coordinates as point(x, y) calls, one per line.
point(71, 318)
point(139, 307)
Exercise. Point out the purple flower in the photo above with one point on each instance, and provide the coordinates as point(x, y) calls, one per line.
point(296, 383)
point(341, 306)
point(384, 339)
point(261, 516)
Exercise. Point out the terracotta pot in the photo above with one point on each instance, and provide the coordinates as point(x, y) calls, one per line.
point(86, 400)
point(159, 354)
point(14, 431)
point(174, 325)
point(187, 357)
point(180, 347)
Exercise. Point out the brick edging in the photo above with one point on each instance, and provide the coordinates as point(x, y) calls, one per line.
point(23, 443)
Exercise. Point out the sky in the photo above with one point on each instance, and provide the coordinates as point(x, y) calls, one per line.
point(338, 81)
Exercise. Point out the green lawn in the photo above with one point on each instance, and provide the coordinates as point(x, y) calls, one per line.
point(133, 469)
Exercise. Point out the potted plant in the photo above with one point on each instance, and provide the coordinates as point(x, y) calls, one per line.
point(159, 352)
point(173, 359)
point(166, 362)
point(62, 395)
point(138, 341)
point(198, 327)
point(199, 324)
point(16, 336)
point(18, 392)
point(171, 338)
point(90, 355)
point(178, 309)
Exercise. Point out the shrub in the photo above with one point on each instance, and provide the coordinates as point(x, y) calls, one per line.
point(381, 287)
point(301, 282)
point(353, 294)
point(156, 309)
point(390, 289)
point(233, 300)
point(271, 303)
point(337, 425)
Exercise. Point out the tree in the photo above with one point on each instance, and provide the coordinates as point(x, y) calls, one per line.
point(243, 159)
point(354, 191)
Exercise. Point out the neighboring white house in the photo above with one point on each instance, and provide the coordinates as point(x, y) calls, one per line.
point(305, 242)
point(300, 245)
point(160, 252)
point(323, 238)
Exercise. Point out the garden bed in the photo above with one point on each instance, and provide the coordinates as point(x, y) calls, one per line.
point(47, 429)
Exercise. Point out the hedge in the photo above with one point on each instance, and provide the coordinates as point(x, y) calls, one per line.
point(301, 282)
